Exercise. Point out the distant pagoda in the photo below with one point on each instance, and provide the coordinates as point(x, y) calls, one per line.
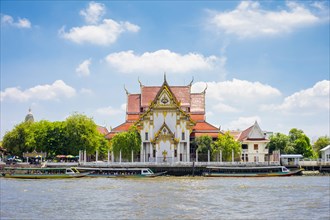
point(29, 117)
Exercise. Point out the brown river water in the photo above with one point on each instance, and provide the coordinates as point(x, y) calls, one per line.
point(297, 197)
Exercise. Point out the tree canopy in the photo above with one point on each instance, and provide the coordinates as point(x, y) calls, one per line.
point(296, 142)
point(203, 143)
point(321, 142)
point(77, 132)
point(226, 143)
point(126, 142)
point(278, 141)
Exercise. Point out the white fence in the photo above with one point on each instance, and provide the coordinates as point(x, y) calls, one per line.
point(182, 164)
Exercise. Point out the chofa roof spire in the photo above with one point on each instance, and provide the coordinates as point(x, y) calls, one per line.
point(140, 82)
point(205, 88)
point(127, 93)
point(190, 84)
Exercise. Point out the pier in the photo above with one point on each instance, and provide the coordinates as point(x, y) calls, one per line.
point(189, 168)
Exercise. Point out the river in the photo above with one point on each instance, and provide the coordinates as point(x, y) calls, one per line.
point(298, 197)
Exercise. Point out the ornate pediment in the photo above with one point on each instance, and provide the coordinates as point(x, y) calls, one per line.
point(164, 134)
point(165, 99)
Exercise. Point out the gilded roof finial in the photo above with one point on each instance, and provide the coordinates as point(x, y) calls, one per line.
point(164, 76)
point(205, 89)
point(127, 93)
point(140, 82)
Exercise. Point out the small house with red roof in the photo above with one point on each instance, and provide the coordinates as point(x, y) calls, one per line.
point(254, 143)
point(169, 119)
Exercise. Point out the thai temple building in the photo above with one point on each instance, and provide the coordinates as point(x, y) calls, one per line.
point(169, 119)
point(254, 143)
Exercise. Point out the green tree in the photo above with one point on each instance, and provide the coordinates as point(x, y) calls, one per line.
point(321, 142)
point(278, 141)
point(203, 143)
point(19, 140)
point(126, 142)
point(77, 132)
point(49, 137)
point(299, 143)
point(226, 143)
point(80, 133)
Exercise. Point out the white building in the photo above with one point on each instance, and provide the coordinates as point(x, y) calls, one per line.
point(325, 152)
point(254, 143)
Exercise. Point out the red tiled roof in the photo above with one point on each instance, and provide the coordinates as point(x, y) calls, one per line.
point(211, 134)
point(204, 126)
point(182, 94)
point(197, 117)
point(197, 102)
point(148, 94)
point(121, 128)
point(245, 133)
point(235, 134)
point(133, 103)
point(102, 130)
point(132, 117)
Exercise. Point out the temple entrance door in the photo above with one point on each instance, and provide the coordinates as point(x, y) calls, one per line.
point(165, 153)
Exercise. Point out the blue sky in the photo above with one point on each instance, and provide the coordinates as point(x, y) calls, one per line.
point(266, 61)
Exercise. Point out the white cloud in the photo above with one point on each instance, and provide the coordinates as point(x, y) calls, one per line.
point(221, 107)
point(164, 61)
point(306, 101)
point(248, 19)
point(242, 123)
point(123, 107)
point(40, 92)
point(109, 111)
point(83, 68)
point(21, 23)
point(102, 34)
point(93, 13)
point(236, 90)
point(85, 91)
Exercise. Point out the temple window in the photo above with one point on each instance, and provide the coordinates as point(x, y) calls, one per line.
point(183, 136)
point(256, 147)
point(146, 136)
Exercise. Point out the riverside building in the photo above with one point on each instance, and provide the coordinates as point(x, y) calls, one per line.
point(169, 118)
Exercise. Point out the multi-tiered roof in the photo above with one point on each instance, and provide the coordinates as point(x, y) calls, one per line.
point(191, 103)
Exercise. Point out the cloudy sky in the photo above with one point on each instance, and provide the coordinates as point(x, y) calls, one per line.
point(266, 61)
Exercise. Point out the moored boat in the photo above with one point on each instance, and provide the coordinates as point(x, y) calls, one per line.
point(269, 171)
point(42, 173)
point(120, 172)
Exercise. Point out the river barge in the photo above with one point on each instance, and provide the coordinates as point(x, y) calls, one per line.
point(42, 173)
point(120, 172)
point(269, 171)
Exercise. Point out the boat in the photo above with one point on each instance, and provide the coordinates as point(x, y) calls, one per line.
point(120, 172)
point(42, 173)
point(265, 171)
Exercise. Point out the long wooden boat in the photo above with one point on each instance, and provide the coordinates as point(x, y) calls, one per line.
point(269, 171)
point(42, 173)
point(120, 172)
